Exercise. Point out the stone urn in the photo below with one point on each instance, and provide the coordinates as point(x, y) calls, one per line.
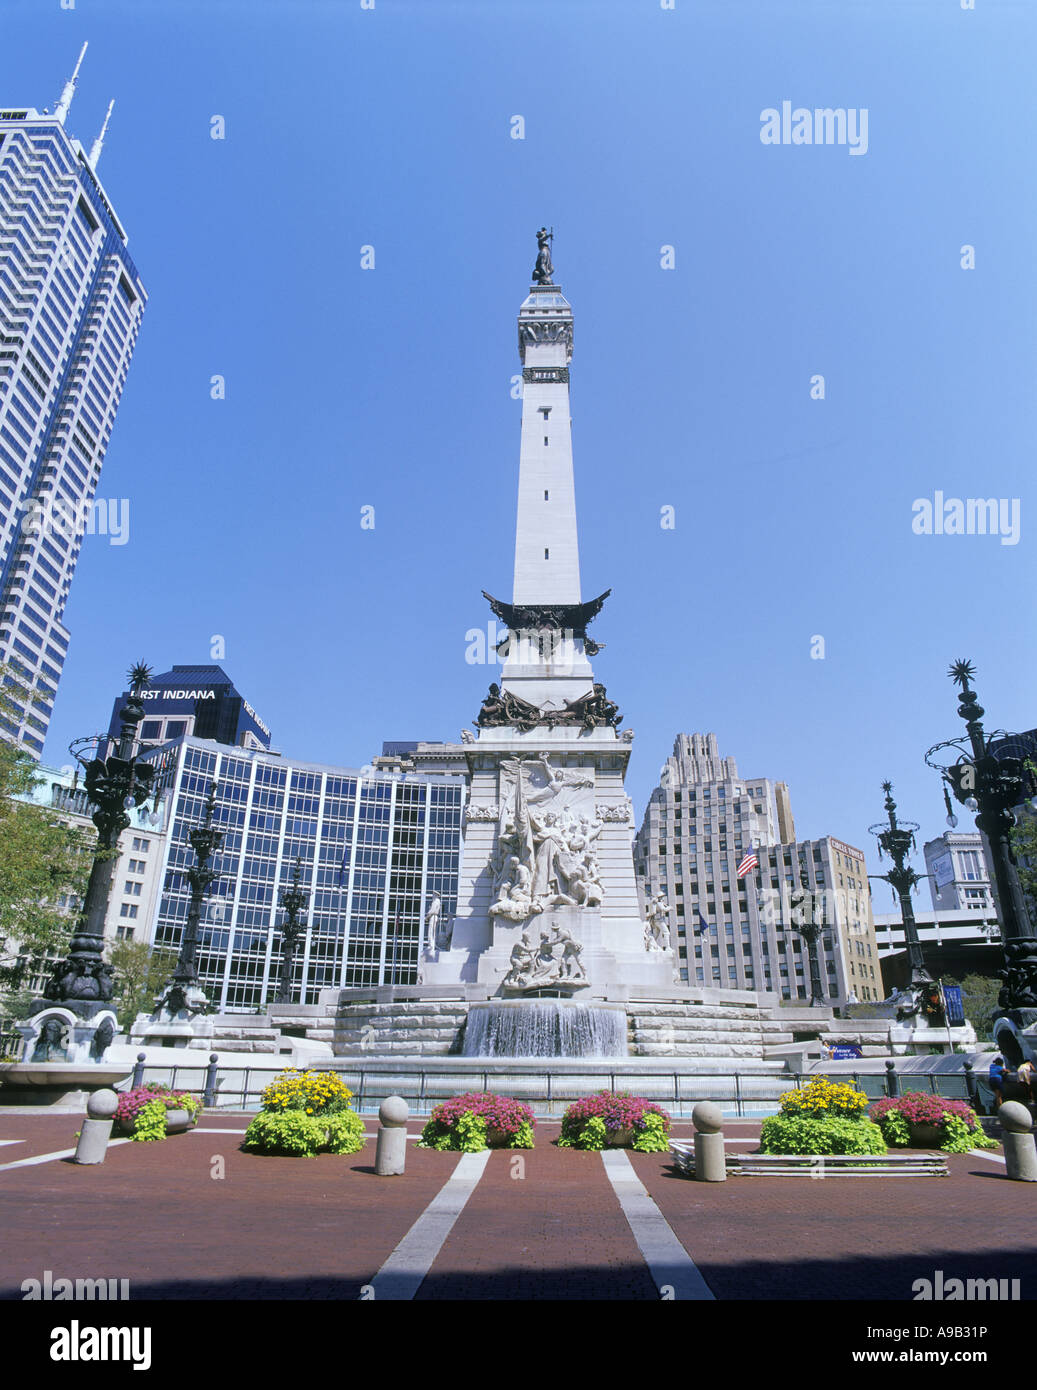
point(620, 1138)
point(178, 1121)
point(922, 1135)
point(497, 1138)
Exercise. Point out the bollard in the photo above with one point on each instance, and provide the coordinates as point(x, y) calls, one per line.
point(971, 1088)
point(1017, 1141)
point(209, 1095)
point(97, 1128)
point(391, 1150)
point(892, 1084)
point(710, 1164)
point(137, 1080)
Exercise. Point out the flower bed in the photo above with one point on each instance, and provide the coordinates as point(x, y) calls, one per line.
point(142, 1113)
point(952, 1124)
point(477, 1121)
point(614, 1119)
point(305, 1113)
point(824, 1117)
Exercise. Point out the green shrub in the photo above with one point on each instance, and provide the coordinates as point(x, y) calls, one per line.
point(345, 1132)
point(653, 1138)
point(785, 1134)
point(151, 1122)
point(960, 1139)
point(289, 1132)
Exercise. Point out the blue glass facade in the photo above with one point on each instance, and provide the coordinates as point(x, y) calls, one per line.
point(372, 848)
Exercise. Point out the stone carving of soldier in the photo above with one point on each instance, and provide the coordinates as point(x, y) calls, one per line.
point(657, 931)
point(435, 910)
point(522, 964)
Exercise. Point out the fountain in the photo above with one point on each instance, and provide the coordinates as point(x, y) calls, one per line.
point(71, 1027)
point(545, 1028)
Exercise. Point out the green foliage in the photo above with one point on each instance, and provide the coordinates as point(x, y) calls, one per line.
point(42, 858)
point(961, 1138)
point(470, 1132)
point(151, 1123)
point(298, 1135)
point(833, 1134)
point(979, 995)
point(345, 1132)
point(895, 1129)
point(524, 1138)
point(593, 1135)
point(289, 1132)
point(140, 972)
point(653, 1138)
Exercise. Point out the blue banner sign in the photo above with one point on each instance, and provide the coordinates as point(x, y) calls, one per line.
point(955, 1004)
point(844, 1052)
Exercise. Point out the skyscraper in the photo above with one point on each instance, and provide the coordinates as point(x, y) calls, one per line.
point(71, 302)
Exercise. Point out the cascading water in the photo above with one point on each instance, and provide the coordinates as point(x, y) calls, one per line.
point(545, 1028)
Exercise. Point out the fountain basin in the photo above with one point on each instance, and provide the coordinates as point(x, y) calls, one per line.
point(56, 1086)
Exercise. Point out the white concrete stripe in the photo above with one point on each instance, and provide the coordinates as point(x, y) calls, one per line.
point(402, 1274)
point(52, 1158)
point(981, 1153)
point(669, 1264)
point(11, 1141)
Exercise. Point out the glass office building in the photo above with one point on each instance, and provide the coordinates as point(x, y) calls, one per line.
point(372, 847)
point(71, 303)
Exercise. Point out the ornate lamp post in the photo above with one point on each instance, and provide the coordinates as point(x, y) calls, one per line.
point(991, 777)
point(82, 982)
point(897, 839)
point(182, 993)
point(801, 921)
point(294, 901)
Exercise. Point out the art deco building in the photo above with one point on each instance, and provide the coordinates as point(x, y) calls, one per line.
point(195, 700)
point(733, 933)
point(71, 303)
point(957, 869)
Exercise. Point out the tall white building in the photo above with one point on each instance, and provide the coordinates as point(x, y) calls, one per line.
point(71, 302)
point(958, 876)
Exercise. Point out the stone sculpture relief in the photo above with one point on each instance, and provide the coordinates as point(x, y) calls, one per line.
point(555, 961)
point(545, 847)
point(657, 926)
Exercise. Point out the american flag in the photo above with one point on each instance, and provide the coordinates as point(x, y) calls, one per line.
point(747, 865)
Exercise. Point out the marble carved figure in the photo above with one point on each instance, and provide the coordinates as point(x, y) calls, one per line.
point(657, 928)
point(432, 916)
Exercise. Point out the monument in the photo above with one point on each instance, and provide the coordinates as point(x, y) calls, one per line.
point(547, 898)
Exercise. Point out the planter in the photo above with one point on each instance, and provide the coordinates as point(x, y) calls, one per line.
point(620, 1138)
point(178, 1121)
point(498, 1138)
point(924, 1136)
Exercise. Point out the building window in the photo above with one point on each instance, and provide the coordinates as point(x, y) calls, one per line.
point(547, 553)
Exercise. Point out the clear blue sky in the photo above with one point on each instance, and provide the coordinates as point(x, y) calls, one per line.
point(690, 387)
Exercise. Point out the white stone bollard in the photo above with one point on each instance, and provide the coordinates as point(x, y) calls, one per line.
point(391, 1150)
point(710, 1164)
point(97, 1128)
point(1018, 1142)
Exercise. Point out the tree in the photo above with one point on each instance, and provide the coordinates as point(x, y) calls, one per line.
point(140, 972)
point(44, 860)
point(979, 994)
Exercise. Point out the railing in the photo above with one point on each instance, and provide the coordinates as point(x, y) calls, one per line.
point(229, 1086)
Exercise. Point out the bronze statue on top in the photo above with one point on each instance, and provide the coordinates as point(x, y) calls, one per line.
point(543, 270)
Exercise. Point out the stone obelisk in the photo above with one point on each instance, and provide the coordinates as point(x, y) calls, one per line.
point(547, 900)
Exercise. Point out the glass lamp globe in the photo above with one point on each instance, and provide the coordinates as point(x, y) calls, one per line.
point(972, 804)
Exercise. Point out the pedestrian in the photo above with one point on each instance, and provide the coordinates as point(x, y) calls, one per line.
point(1025, 1078)
point(996, 1076)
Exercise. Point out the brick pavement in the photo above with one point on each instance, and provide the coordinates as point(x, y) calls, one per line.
point(321, 1228)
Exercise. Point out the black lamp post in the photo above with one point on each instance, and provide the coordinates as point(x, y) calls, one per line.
point(182, 993)
point(991, 777)
point(897, 839)
point(116, 784)
point(294, 901)
point(801, 921)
